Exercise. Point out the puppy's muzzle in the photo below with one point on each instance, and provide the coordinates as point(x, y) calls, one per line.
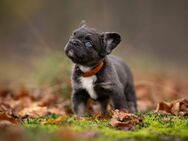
point(75, 42)
point(70, 53)
point(72, 48)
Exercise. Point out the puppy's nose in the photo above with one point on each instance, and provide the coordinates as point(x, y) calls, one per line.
point(74, 42)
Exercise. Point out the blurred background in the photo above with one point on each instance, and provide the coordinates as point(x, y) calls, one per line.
point(33, 34)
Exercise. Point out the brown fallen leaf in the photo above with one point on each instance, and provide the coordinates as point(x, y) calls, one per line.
point(33, 112)
point(56, 121)
point(7, 115)
point(177, 107)
point(56, 111)
point(10, 118)
point(125, 121)
point(164, 107)
point(122, 115)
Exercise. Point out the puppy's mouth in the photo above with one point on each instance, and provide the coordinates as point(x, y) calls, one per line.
point(73, 56)
point(70, 53)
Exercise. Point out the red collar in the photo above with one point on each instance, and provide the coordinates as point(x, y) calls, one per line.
point(94, 70)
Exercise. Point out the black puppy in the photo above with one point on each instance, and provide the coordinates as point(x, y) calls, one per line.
point(97, 75)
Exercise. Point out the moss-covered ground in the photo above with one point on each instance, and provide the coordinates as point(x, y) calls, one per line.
point(153, 127)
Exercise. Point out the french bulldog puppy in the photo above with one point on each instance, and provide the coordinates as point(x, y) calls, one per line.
point(96, 74)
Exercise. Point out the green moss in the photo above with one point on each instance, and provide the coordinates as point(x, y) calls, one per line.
point(154, 127)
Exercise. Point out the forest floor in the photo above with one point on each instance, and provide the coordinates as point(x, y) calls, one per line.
point(44, 112)
point(153, 127)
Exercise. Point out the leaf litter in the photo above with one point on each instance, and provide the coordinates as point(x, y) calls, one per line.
point(26, 103)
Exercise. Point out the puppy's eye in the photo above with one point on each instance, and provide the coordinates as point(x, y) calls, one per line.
point(88, 44)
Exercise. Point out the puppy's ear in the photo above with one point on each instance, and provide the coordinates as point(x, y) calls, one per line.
point(83, 23)
point(111, 40)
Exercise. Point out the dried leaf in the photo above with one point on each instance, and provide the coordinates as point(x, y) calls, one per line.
point(56, 111)
point(122, 115)
point(125, 121)
point(7, 114)
point(6, 117)
point(56, 121)
point(178, 107)
point(164, 107)
point(33, 112)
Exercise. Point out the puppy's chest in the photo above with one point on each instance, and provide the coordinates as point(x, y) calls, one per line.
point(88, 84)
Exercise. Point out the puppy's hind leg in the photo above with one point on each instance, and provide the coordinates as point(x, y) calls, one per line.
point(79, 101)
point(131, 98)
point(118, 99)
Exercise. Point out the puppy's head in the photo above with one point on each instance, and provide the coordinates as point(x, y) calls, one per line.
point(88, 47)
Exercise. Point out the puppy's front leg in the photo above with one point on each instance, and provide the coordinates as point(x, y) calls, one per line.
point(79, 101)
